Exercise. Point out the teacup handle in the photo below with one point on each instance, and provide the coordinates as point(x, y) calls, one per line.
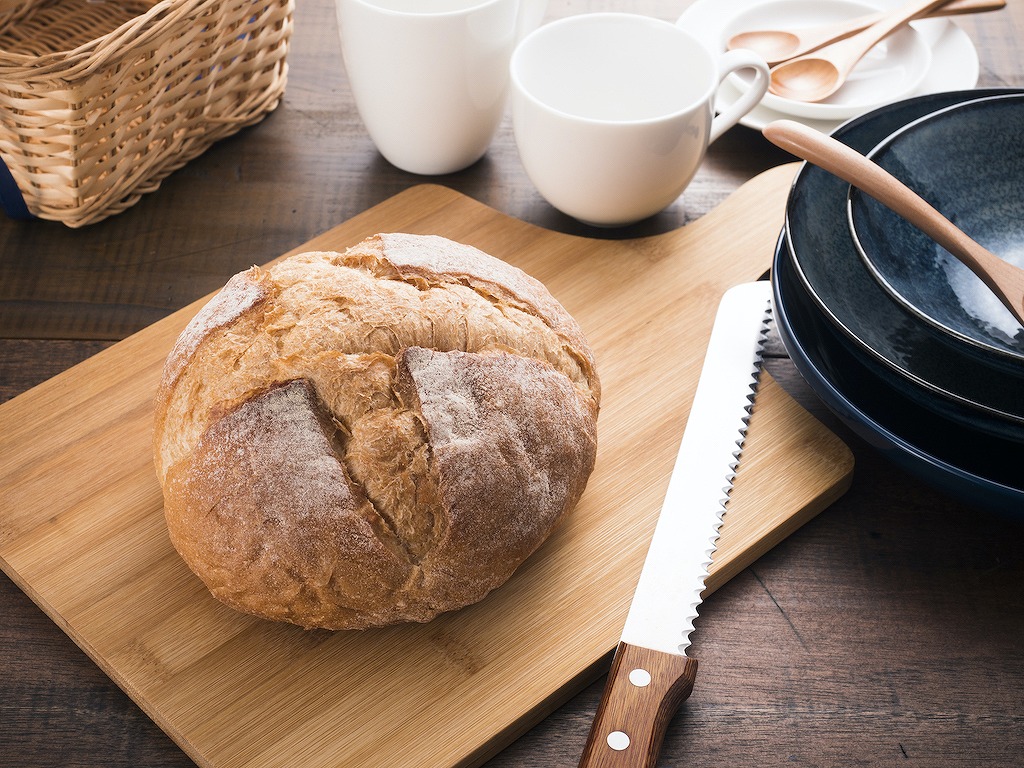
point(730, 62)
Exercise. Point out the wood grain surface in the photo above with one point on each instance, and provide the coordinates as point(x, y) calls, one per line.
point(89, 545)
point(885, 631)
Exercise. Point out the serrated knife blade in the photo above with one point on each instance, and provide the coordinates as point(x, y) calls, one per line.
point(651, 675)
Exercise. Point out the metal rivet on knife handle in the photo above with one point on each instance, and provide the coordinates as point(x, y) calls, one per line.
point(641, 713)
point(640, 677)
point(618, 740)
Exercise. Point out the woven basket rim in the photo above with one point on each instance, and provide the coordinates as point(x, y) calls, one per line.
point(98, 51)
point(183, 73)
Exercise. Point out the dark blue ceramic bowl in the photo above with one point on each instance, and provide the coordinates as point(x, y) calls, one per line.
point(860, 350)
point(967, 161)
point(925, 364)
point(979, 469)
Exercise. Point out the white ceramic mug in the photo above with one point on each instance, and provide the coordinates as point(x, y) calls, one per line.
point(430, 77)
point(613, 113)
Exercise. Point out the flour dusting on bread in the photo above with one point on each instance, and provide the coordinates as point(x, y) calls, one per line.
point(357, 439)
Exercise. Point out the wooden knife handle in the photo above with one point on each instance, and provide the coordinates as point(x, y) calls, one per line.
point(644, 690)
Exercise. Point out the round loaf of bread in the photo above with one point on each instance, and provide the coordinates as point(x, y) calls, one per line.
point(349, 440)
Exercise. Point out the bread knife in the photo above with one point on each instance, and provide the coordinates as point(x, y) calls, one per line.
point(651, 675)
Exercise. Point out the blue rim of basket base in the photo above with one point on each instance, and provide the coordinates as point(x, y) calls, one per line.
point(11, 198)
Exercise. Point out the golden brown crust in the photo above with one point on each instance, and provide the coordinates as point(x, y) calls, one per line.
point(512, 449)
point(352, 440)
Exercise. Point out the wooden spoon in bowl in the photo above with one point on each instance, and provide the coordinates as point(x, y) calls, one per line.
point(1005, 280)
point(777, 45)
point(816, 76)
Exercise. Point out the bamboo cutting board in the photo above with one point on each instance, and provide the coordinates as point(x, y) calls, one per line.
point(82, 531)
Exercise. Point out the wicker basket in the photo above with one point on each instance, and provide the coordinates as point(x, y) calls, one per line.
point(101, 99)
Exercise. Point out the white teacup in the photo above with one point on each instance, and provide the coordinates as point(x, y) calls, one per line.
point(613, 113)
point(430, 77)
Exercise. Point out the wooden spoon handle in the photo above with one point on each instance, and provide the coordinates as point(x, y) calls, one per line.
point(846, 53)
point(959, 7)
point(644, 690)
point(953, 8)
point(1002, 278)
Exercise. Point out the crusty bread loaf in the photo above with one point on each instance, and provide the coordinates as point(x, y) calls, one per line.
point(359, 439)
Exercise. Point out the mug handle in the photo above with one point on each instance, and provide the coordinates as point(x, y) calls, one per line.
point(728, 63)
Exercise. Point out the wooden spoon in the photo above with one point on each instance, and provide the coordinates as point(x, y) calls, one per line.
point(816, 76)
point(1005, 280)
point(778, 45)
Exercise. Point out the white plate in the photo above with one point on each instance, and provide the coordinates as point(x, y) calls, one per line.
point(891, 70)
point(954, 61)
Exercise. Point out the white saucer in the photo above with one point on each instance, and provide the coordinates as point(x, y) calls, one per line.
point(891, 70)
point(954, 61)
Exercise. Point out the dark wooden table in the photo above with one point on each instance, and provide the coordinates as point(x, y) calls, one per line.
point(887, 631)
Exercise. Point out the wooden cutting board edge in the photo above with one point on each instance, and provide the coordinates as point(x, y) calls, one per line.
point(428, 200)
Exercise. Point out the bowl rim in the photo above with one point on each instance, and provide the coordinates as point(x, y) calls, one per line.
point(879, 274)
